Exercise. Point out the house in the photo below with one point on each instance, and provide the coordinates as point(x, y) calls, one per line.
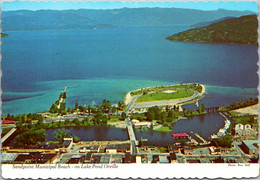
point(244, 130)
point(239, 128)
point(250, 147)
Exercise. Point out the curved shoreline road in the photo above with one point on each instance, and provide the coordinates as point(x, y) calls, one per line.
point(171, 102)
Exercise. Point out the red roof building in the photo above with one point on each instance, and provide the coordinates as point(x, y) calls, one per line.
point(8, 122)
point(180, 135)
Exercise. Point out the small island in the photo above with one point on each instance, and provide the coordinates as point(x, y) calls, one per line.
point(242, 30)
point(4, 35)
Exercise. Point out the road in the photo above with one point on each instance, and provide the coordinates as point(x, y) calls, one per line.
point(163, 102)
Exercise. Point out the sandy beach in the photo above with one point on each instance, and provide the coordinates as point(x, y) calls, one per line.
point(128, 98)
point(252, 110)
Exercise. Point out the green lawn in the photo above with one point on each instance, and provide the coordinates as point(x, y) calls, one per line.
point(195, 87)
point(114, 119)
point(164, 129)
point(181, 93)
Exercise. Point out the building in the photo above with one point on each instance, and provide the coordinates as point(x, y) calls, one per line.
point(76, 159)
point(35, 158)
point(118, 148)
point(173, 148)
point(188, 150)
point(8, 157)
point(250, 147)
point(179, 135)
point(173, 158)
point(244, 130)
point(66, 145)
point(88, 157)
point(163, 159)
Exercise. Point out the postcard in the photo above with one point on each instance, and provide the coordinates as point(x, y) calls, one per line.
point(129, 89)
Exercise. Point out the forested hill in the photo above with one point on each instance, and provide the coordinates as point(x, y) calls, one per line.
point(242, 30)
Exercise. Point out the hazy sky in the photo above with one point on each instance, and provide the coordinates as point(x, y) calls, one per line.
point(61, 5)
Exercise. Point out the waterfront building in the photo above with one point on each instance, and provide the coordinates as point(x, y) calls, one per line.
point(244, 130)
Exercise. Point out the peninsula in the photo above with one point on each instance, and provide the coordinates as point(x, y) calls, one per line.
point(242, 30)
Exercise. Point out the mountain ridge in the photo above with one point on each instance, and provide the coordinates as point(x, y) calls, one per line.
point(89, 18)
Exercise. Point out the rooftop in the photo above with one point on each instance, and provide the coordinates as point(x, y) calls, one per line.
point(7, 157)
point(118, 146)
point(252, 144)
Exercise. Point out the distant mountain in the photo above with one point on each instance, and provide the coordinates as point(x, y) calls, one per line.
point(203, 24)
point(89, 18)
point(241, 30)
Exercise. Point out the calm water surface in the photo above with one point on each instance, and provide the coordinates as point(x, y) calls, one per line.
point(107, 63)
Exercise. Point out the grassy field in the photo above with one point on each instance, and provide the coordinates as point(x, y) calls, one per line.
point(164, 129)
point(195, 87)
point(158, 96)
point(114, 119)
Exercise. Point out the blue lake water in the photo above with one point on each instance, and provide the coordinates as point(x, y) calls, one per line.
point(107, 63)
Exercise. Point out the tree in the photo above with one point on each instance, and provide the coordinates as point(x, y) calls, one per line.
point(76, 121)
point(60, 135)
point(67, 121)
point(75, 138)
point(167, 108)
point(113, 109)
point(19, 124)
point(183, 142)
point(54, 108)
point(225, 141)
point(120, 104)
point(82, 109)
point(202, 108)
point(76, 105)
point(89, 109)
point(123, 115)
point(31, 137)
point(170, 114)
point(106, 106)
point(151, 126)
point(85, 121)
